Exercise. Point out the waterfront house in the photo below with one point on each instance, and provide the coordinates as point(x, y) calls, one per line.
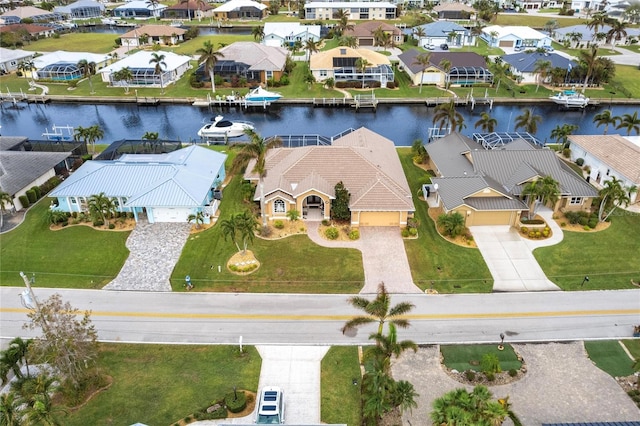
point(240, 9)
point(608, 156)
point(144, 73)
point(577, 35)
point(35, 31)
point(304, 179)
point(364, 33)
point(153, 34)
point(523, 65)
point(10, 58)
point(467, 68)
point(139, 9)
point(341, 64)
point(486, 185)
point(189, 9)
point(514, 37)
point(63, 66)
point(454, 10)
point(444, 32)
point(358, 10)
point(281, 34)
point(35, 14)
point(157, 187)
point(83, 9)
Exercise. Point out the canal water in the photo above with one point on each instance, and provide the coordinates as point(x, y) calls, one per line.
point(210, 29)
point(401, 123)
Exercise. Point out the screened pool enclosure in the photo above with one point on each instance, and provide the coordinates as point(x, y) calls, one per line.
point(61, 71)
point(465, 76)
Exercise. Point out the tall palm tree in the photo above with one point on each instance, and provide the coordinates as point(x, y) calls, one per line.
point(159, 65)
point(154, 4)
point(93, 133)
point(605, 118)
point(256, 149)
point(446, 115)
point(209, 57)
point(445, 65)
point(612, 196)
point(541, 192)
point(258, 33)
point(542, 69)
point(617, 32)
point(378, 35)
point(102, 207)
point(361, 66)
point(378, 310)
point(630, 122)
point(242, 223)
point(19, 349)
point(311, 46)
point(561, 133)
point(419, 33)
point(124, 74)
point(590, 60)
point(598, 20)
point(5, 198)
point(528, 121)
point(476, 31)
point(25, 66)
point(88, 69)
point(486, 123)
point(424, 60)
point(387, 346)
point(342, 15)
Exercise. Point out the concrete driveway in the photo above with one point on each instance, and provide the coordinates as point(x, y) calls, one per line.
point(510, 260)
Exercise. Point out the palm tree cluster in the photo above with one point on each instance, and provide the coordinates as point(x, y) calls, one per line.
point(453, 224)
point(446, 116)
point(629, 122)
point(541, 191)
point(239, 228)
point(102, 208)
point(89, 135)
point(382, 394)
point(461, 407)
point(612, 196)
point(123, 74)
point(88, 69)
point(208, 58)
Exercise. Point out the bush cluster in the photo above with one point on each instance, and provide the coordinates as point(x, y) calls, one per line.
point(536, 233)
point(243, 268)
point(278, 224)
point(331, 233)
point(354, 234)
point(580, 161)
point(590, 220)
point(235, 401)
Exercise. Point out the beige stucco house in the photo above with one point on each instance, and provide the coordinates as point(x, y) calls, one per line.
point(367, 163)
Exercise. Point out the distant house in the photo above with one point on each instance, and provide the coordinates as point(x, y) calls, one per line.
point(441, 32)
point(454, 11)
point(304, 179)
point(486, 186)
point(10, 58)
point(153, 34)
point(35, 31)
point(255, 62)
point(609, 156)
point(143, 70)
point(83, 9)
point(340, 63)
point(534, 4)
point(524, 64)
point(23, 168)
point(467, 68)
point(161, 187)
point(36, 15)
point(364, 33)
point(358, 10)
point(279, 34)
point(191, 9)
point(63, 66)
point(138, 9)
point(240, 9)
point(579, 34)
point(515, 37)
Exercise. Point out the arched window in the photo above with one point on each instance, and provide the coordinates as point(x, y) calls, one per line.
point(278, 206)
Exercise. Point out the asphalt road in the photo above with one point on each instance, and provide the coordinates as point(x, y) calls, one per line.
point(221, 318)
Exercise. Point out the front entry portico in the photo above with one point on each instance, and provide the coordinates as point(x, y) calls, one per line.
point(314, 208)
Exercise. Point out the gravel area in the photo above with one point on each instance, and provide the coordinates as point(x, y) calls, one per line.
point(561, 385)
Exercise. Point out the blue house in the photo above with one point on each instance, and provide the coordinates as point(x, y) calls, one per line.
point(156, 187)
point(442, 32)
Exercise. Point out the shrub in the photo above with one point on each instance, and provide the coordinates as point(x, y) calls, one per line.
point(31, 195)
point(545, 233)
point(524, 229)
point(490, 376)
point(490, 364)
point(325, 222)
point(414, 231)
point(235, 401)
point(24, 201)
point(405, 232)
point(470, 375)
point(586, 228)
point(592, 223)
point(538, 234)
point(278, 224)
point(580, 161)
point(331, 233)
point(513, 372)
point(112, 226)
point(293, 215)
point(566, 152)
point(563, 224)
point(583, 221)
point(532, 234)
point(265, 231)
point(36, 189)
point(98, 222)
point(354, 234)
point(129, 215)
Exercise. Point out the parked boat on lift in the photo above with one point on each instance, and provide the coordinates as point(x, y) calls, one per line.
point(261, 95)
point(221, 128)
point(570, 99)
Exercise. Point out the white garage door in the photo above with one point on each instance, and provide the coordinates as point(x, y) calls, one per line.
point(431, 78)
point(170, 214)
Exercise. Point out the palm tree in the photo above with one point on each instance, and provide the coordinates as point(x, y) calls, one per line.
point(256, 149)
point(598, 20)
point(476, 31)
point(461, 407)
point(424, 60)
point(361, 66)
point(18, 350)
point(10, 413)
point(209, 57)
point(258, 33)
point(154, 6)
point(157, 60)
point(419, 33)
point(5, 198)
point(631, 122)
point(486, 123)
point(311, 46)
point(125, 74)
point(613, 195)
point(80, 134)
point(617, 31)
point(348, 41)
point(387, 347)
point(342, 15)
point(88, 69)
point(93, 133)
point(447, 115)
point(27, 65)
point(242, 223)
point(404, 396)
point(378, 310)
point(589, 59)
point(197, 218)
point(452, 223)
point(102, 207)
point(528, 121)
point(574, 37)
point(445, 65)
point(605, 118)
point(561, 133)
point(541, 192)
point(378, 35)
point(542, 69)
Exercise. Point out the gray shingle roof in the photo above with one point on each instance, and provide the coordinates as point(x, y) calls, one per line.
point(526, 62)
point(9, 142)
point(448, 154)
point(457, 59)
point(19, 169)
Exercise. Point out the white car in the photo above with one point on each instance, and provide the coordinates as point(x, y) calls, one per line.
point(270, 406)
point(430, 46)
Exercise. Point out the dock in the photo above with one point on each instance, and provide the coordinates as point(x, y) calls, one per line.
point(230, 101)
point(365, 101)
point(147, 101)
point(360, 101)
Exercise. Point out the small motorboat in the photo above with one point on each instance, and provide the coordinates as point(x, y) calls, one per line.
point(261, 95)
point(221, 128)
point(570, 99)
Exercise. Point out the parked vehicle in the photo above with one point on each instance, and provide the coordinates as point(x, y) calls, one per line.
point(444, 46)
point(430, 46)
point(270, 406)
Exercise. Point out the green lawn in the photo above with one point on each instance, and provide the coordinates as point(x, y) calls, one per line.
point(567, 269)
point(340, 398)
point(633, 346)
point(468, 357)
point(609, 356)
point(531, 20)
point(73, 257)
point(75, 42)
point(159, 385)
point(462, 269)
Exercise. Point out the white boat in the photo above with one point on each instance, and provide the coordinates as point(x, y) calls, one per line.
point(221, 128)
point(176, 24)
point(570, 99)
point(261, 95)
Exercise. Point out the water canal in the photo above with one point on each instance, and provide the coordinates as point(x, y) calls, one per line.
point(400, 123)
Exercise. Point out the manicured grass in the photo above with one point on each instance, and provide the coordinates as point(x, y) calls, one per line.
point(627, 77)
point(159, 385)
point(292, 265)
point(580, 254)
point(462, 269)
point(609, 356)
point(468, 357)
point(632, 47)
point(633, 346)
point(530, 20)
point(75, 42)
point(189, 47)
point(340, 398)
point(73, 257)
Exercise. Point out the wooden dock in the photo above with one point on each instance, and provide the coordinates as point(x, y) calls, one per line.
point(331, 102)
point(365, 101)
point(230, 101)
point(147, 101)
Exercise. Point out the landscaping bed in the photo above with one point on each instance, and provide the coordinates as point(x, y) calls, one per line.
point(482, 364)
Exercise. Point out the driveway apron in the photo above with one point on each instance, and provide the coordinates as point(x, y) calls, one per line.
point(510, 260)
point(154, 250)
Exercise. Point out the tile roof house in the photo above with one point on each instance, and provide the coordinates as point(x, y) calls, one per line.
point(144, 71)
point(340, 64)
point(364, 33)
point(279, 34)
point(34, 30)
point(609, 156)
point(466, 68)
point(190, 9)
point(523, 64)
point(241, 9)
point(440, 32)
point(486, 186)
point(19, 13)
point(155, 34)
point(163, 187)
point(516, 37)
point(454, 10)
point(304, 179)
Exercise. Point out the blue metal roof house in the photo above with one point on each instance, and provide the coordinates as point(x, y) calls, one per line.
point(156, 187)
